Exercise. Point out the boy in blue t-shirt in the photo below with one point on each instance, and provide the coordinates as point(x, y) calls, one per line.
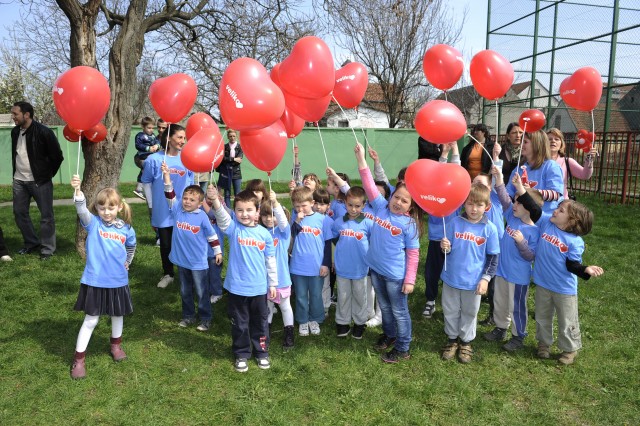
point(252, 272)
point(517, 251)
point(146, 144)
point(352, 232)
point(472, 245)
point(310, 260)
point(192, 233)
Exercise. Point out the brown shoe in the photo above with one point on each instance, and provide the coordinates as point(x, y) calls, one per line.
point(567, 358)
point(543, 351)
point(78, 370)
point(449, 351)
point(116, 350)
point(465, 353)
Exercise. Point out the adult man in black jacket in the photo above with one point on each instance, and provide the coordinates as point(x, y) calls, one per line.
point(36, 157)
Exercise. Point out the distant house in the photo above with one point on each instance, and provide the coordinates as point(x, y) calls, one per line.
point(624, 113)
point(371, 113)
point(510, 106)
point(6, 121)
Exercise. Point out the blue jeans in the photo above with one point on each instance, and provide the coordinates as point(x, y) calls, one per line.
point(215, 277)
point(43, 195)
point(309, 306)
point(396, 321)
point(190, 280)
point(225, 183)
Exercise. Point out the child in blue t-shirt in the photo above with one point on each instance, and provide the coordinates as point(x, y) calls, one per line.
point(104, 289)
point(275, 218)
point(191, 237)
point(517, 251)
point(352, 233)
point(310, 260)
point(252, 274)
point(472, 244)
point(394, 250)
point(321, 204)
point(337, 186)
point(555, 272)
point(146, 144)
point(215, 266)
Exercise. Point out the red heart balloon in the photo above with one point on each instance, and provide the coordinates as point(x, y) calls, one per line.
point(249, 99)
point(351, 84)
point(173, 97)
point(71, 134)
point(440, 122)
point(534, 120)
point(292, 123)
point(438, 188)
point(204, 149)
point(308, 109)
point(308, 71)
point(491, 74)
point(582, 90)
point(197, 122)
point(81, 96)
point(443, 66)
point(97, 133)
point(265, 147)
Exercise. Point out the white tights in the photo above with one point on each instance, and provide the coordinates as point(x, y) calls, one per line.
point(89, 324)
point(285, 308)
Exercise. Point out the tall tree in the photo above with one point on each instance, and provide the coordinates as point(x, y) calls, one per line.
point(390, 39)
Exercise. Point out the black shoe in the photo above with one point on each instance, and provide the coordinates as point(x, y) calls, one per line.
point(394, 356)
point(358, 331)
point(45, 256)
point(384, 342)
point(495, 335)
point(288, 338)
point(28, 250)
point(487, 321)
point(342, 330)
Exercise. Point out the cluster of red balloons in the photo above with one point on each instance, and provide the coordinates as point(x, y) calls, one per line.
point(204, 149)
point(81, 96)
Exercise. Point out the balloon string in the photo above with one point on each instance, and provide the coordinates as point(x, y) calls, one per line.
point(366, 141)
point(524, 129)
point(166, 144)
point(322, 142)
point(68, 162)
point(79, 149)
point(444, 228)
point(485, 149)
point(497, 129)
point(593, 130)
point(346, 117)
point(445, 96)
point(293, 151)
point(213, 163)
point(273, 220)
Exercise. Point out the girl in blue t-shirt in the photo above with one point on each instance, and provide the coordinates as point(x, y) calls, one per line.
point(104, 289)
point(555, 272)
point(276, 219)
point(394, 250)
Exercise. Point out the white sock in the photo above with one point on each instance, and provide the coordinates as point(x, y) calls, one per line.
point(117, 323)
point(89, 324)
point(287, 311)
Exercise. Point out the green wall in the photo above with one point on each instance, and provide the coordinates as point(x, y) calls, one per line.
point(396, 147)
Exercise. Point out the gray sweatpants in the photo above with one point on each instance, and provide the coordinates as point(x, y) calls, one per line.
point(352, 301)
point(460, 309)
point(549, 303)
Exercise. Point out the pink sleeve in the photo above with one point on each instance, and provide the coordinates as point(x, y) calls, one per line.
point(579, 172)
point(413, 256)
point(368, 184)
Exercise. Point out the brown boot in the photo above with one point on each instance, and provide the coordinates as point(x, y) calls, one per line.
point(116, 350)
point(78, 370)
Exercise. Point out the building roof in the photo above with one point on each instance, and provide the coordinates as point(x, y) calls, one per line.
point(617, 120)
point(373, 99)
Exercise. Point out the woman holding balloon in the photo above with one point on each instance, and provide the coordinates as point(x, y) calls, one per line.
point(475, 157)
point(557, 147)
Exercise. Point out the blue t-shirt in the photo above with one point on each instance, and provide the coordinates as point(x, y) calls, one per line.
point(281, 240)
point(512, 266)
point(352, 247)
point(308, 246)
point(470, 245)
point(555, 247)
point(249, 246)
point(180, 178)
point(391, 234)
point(106, 247)
point(337, 209)
point(547, 176)
point(189, 238)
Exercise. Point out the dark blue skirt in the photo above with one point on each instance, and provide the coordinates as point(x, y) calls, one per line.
point(115, 302)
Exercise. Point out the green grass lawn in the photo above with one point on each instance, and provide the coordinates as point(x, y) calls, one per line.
point(178, 376)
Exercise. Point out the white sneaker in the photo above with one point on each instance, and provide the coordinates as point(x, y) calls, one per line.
point(6, 258)
point(303, 330)
point(314, 327)
point(139, 194)
point(165, 281)
point(214, 299)
point(158, 242)
point(374, 322)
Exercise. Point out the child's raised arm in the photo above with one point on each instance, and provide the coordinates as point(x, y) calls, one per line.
point(169, 193)
point(501, 190)
point(378, 171)
point(365, 174)
point(81, 202)
point(223, 218)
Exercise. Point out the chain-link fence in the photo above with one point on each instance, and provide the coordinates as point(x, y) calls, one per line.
point(546, 41)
